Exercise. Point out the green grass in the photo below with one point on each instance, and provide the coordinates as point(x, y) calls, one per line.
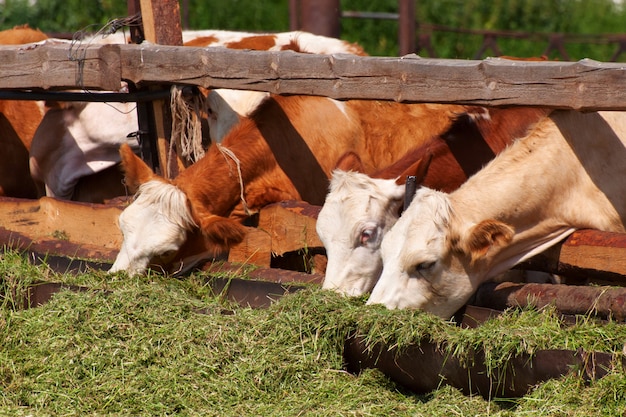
point(161, 346)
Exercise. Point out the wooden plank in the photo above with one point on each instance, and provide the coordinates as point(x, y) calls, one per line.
point(284, 227)
point(586, 256)
point(161, 22)
point(579, 85)
point(584, 85)
point(49, 247)
point(255, 249)
point(589, 250)
point(60, 66)
point(62, 224)
point(291, 226)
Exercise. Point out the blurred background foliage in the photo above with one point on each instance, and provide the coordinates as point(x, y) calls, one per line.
point(582, 18)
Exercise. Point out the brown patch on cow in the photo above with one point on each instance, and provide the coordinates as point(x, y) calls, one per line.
point(20, 35)
point(203, 41)
point(256, 43)
point(291, 46)
point(529, 59)
point(473, 139)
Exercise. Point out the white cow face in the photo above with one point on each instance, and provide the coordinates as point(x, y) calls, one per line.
point(357, 213)
point(419, 269)
point(154, 225)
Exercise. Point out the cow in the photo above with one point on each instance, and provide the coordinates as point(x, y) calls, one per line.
point(20, 35)
point(360, 208)
point(18, 121)
point(79, 139)
point(563, 176)
point(225, 107)
point(285, 150)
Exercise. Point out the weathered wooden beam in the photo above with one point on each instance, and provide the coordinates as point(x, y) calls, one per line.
point(586, 256)
point(60, 66)
point(584, 85)
point(61, 227)
point(287, 226)
point(161, 21)
point(255, 249)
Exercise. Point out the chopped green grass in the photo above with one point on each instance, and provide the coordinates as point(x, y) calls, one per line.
point(154, 345)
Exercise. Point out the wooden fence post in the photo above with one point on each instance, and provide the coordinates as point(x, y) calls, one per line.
point(161, 25)
point(406, 27)
point(321, 17)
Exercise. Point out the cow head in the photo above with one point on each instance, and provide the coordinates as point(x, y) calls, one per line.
point(158, 221)
point(357, 213)
point(431, 263)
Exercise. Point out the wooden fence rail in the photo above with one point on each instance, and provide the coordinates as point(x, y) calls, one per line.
point(585, 85)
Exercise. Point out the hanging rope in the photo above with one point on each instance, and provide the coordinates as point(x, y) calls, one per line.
point(229, 154)
point(186, 124)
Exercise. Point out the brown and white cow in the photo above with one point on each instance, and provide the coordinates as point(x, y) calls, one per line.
point(18, 121)
point(564, 175)
point(285, 150)
point(360, 208)
point(77, 140)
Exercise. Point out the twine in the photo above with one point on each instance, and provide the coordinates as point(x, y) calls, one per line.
point(227, 153)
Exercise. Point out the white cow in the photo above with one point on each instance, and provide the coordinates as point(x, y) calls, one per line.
point(360, 208)
point(565, 175)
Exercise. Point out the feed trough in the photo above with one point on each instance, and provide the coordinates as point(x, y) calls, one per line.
point(420, 368)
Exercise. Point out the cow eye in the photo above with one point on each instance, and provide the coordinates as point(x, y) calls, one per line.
point(424, 266)
point(368, 235)
point(168, 253)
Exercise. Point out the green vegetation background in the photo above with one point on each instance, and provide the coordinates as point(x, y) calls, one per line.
point(379, 37)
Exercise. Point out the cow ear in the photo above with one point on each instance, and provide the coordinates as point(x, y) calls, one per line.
point(485, 235)
point(418, 169)
point(350, 161)
point(135, 169)
point(222, 230)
